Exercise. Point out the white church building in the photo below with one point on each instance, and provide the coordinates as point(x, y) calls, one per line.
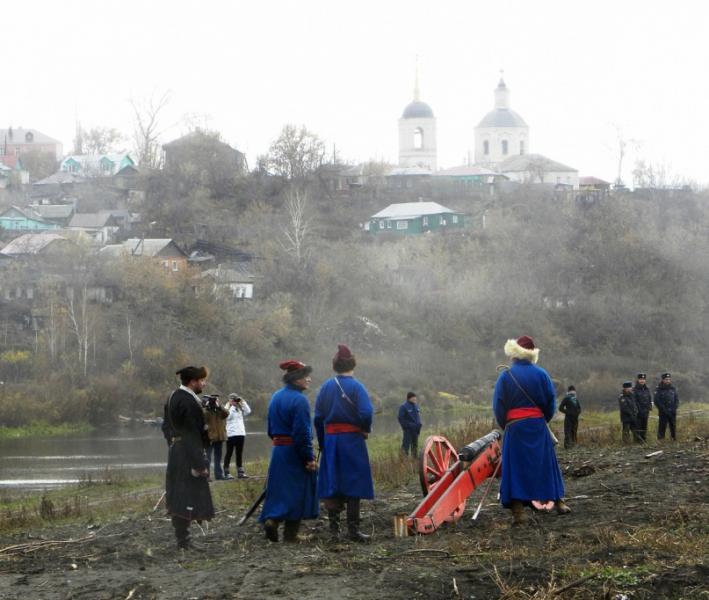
point(417, 135)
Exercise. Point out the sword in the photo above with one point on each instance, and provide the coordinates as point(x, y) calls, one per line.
point(487, 491)
point(253, 507)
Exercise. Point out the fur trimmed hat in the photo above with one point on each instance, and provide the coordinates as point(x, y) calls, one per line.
point(187, 374)
point(523, 348)
point(294, 370)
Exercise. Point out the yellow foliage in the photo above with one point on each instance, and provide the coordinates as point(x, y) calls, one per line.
point(15, 357)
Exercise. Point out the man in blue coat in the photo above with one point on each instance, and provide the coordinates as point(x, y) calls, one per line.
point(343, 421)
point(410, 421)
point(524, 401)
point(292, 479)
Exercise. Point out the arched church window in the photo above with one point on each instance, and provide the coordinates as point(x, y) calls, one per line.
point(521, 147)
point(418, 138)
point(504, 147)
point(486, 147)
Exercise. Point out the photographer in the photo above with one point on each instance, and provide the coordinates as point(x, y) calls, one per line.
point(215, 416)
point(236, 434)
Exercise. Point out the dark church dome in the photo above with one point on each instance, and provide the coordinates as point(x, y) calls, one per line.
point(417, 110)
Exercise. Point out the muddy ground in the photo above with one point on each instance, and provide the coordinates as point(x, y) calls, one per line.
point(639, 530)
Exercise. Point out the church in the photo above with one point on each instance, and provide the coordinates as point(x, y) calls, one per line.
point(501, 145)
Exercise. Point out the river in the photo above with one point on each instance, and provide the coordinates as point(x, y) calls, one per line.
point(45, 463)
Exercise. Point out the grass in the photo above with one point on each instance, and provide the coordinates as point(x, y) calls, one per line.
point(43, 429)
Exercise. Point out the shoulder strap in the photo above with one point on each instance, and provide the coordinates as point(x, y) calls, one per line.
point(509, 371)
point(344, 395)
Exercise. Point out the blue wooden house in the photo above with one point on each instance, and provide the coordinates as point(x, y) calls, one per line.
point(413, 218)
point(16, 218)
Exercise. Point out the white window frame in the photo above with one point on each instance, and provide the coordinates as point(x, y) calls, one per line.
point(402, 225)
point(454, 219)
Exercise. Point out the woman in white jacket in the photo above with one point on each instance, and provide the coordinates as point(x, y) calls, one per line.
point(236, 434)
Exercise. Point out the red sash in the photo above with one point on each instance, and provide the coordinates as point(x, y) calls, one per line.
point(282, 440)
point(523, 413)
point(332, 428)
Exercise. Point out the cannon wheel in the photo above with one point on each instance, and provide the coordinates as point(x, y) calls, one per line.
point(437, 456)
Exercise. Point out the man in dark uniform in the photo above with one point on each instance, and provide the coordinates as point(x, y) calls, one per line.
point(628, 411)
point(643, 401)
point(667, 401)
point(571, 407)
point(410, 421)
point(187, 496)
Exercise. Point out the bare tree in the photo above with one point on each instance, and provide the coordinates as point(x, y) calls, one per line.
point(101, 140)
point(81, 322)
point(146, 129)
point(297, 228)
point(296, 153)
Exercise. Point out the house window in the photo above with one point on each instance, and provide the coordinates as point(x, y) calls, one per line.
point(166, 264)
point(388, 224)
point(381, 224)
point(443, 220)
point(521, 147)
point(30, 293)
point(174, 265)
point(486, 147)
point(402, 224)
point(425, 221)
point(418, 139)
point(454, 219)
point(504, 147)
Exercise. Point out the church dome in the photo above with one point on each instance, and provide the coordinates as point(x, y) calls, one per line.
point(417, 110)
point(502, 117)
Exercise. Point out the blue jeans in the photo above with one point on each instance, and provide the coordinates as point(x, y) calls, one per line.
point(216, 447)
point(410, 442)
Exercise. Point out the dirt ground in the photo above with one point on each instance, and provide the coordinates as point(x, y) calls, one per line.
point(639, 530)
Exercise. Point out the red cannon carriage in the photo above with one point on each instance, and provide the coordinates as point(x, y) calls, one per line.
point(448, 478)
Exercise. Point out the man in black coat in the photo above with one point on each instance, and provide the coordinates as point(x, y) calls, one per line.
point(410, 421)
point(643, 401)
point(187, 495)
point(667, 401)
point(628, 411)
point(571, 407)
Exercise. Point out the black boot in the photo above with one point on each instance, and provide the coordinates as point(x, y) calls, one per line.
point(334, 517)
point(353, 531)
point(182, 532)
point(270, 528)
point(290, 531)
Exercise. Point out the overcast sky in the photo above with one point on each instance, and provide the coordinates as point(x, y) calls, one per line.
point(577, 71)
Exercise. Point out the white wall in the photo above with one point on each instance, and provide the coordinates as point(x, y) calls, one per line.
point(409, 155)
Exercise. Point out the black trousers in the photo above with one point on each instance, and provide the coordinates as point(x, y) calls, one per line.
point(234, 442)
point(642, 426)
point(571, 428)
point(628, 427)
point(665, 420)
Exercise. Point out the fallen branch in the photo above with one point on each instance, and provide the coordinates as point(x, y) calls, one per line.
point(656, 453)
point(573, 584)
point(443, 553)
point(44, 544)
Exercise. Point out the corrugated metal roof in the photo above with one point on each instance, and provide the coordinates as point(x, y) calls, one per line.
point(31, 243)
point(466, 171)
point(19, 136)
point(411, 210)
point(139, 247)
point(525, 162)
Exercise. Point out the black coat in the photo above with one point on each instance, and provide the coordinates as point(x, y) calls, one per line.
point(666, 399)
point(570, 406)
point(187, 496)
point(628, 409)
point(643, 398)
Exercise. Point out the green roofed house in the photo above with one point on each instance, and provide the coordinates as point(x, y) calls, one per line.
point(414, 217)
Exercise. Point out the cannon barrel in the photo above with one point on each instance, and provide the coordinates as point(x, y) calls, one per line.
point(471, 450)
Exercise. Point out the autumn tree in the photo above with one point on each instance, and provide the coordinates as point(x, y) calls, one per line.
point(147, 115)
point(102, 140)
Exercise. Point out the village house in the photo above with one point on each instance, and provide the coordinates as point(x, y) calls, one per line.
point(100, 227)
point(54, 213)
point(97, 165)
point(414, 218)
point(165, 251)
point(197, 147)
point(16, 218)
point(12, 172)
point(230, 283)
point(18, 141)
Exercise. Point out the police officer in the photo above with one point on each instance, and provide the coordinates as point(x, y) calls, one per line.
point(571, 407)
point(667, 401)
point(628, 411)
point(643, 401)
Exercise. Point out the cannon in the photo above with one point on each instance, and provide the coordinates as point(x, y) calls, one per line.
point(448, 478)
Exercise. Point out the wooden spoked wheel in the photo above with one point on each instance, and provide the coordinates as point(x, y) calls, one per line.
point(438, 455)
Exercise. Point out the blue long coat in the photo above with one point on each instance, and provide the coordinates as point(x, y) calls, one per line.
point(530, 470)
point(344, 462)
point(290, 490)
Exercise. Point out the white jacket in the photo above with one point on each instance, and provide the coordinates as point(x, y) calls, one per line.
point(235, 420)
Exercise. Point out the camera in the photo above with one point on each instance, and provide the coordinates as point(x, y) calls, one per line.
point(210, 400)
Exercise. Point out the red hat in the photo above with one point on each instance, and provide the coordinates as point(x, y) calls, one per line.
point(291, 365)
point(523, 348)
point(526, 342)
point(343, 352)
